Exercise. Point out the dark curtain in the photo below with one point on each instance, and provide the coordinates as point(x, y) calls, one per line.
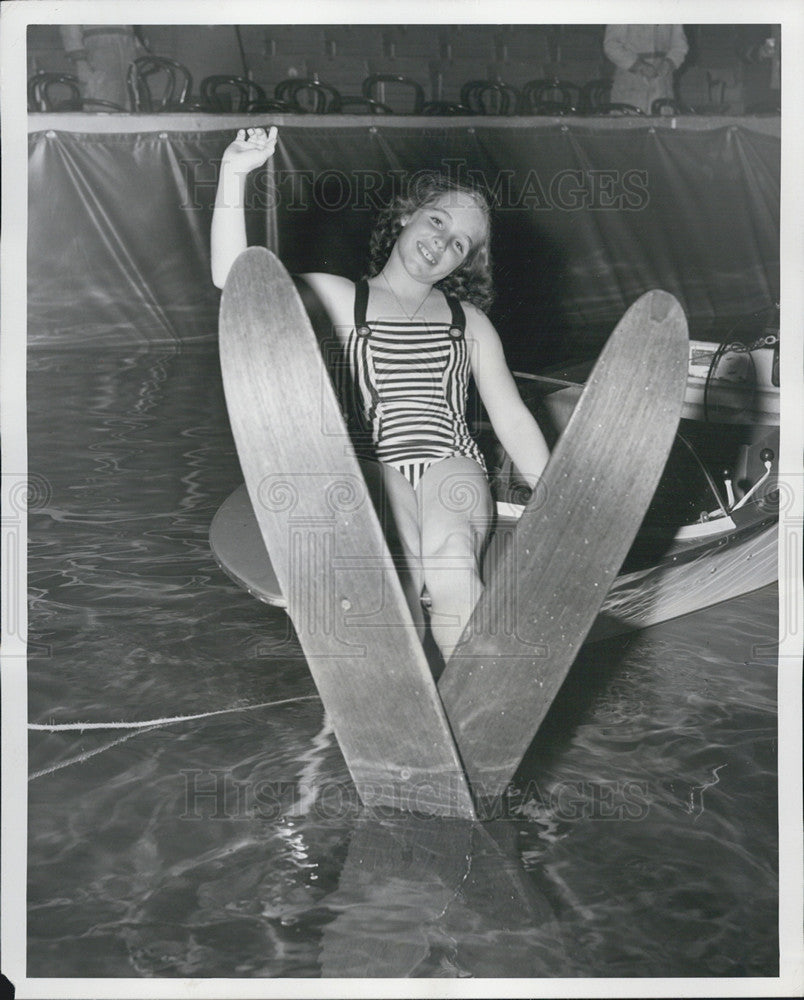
point(585, 220)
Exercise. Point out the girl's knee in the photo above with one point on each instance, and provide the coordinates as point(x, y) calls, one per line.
point(457, 545)
point(450, 568)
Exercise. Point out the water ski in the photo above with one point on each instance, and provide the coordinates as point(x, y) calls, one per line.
point(327, 548)
point(542, 597)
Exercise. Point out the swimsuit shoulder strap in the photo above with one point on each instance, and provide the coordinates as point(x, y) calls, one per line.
point(458, 324)
point(361, 304)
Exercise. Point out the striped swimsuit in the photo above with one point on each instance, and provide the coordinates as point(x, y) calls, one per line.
point(405, 390)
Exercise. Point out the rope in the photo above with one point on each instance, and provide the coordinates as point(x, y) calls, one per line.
point(86, 755)
point(153, 723)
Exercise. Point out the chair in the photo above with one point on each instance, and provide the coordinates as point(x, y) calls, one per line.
point(315, 97)
point(308, 95)
point(619, 109)
point(223, 93)
point(594, 95)
point(176, 80)
point(96, 104)
point(283, 88)
point(665, 106)
point(716, 89)
point(549, 97)
point(41, 97)
point(270, 104)
point(489, 97)
point(375, 87)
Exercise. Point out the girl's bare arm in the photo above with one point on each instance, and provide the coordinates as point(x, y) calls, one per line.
point(250, 149)
point(513, 423)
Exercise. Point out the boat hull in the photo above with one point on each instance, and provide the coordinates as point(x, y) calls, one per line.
point(691, 578)
point(692, 574)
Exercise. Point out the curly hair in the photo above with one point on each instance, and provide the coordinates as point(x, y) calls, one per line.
point(471, 281)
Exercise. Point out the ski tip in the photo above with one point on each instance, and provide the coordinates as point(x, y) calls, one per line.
point(664, 312)
point(662, 304)
point(255, 269)
point(250, 260)
point(257, 253)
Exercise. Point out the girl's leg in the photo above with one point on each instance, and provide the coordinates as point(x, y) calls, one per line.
point(397, 508)
point(455, 511)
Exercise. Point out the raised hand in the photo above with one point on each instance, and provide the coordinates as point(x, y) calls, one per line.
point(250, 149)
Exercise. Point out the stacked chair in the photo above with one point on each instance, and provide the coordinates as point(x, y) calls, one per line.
point(157, 84)
point(62, 92)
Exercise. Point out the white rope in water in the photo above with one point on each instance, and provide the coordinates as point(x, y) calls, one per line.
point(62, 727)
point(86, 755)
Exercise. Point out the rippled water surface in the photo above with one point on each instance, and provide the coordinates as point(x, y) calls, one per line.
point(641, 839)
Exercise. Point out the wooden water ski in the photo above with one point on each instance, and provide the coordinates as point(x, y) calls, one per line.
point(328, 551)
point(544, 595)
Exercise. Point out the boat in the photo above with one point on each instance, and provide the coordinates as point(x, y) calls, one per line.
point(711, 533)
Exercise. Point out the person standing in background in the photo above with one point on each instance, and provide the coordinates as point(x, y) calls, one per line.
point(102, 54)
point(770, 50)
point(775, 46)
point(645, 56)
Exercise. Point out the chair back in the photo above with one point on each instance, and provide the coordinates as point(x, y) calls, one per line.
point(665, 106)
point(282, 89)
point(594, 95)
point(54, 92)
point(384, 87)
point(224, 93)
point(308, 94)
point(549, 97)
point(490, 97)
point(144, 75)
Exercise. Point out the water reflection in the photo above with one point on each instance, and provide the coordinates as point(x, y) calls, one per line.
point(423, 897)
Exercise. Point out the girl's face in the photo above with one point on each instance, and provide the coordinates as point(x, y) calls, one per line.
point(437, 237)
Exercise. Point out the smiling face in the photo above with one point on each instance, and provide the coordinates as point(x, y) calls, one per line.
point(437, 237)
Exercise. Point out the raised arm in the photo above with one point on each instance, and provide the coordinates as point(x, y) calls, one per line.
point(513, 423)
point(250, 149)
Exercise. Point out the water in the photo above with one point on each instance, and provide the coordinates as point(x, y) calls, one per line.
point(641, 835)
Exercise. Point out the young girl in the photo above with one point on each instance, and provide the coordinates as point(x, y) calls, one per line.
point(412, 332)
